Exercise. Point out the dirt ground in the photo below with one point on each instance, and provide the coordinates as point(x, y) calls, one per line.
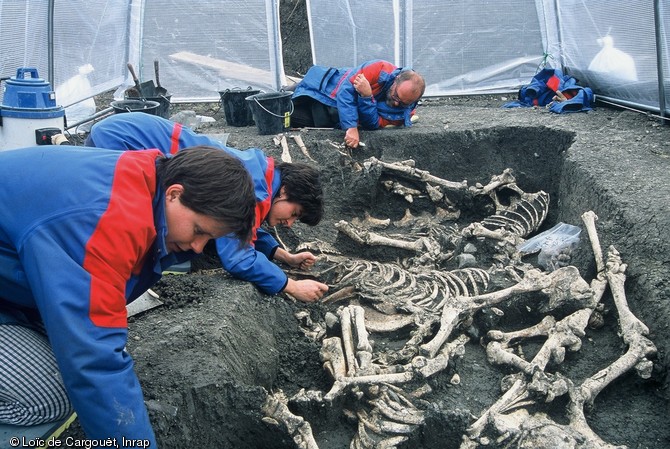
point(208, 358)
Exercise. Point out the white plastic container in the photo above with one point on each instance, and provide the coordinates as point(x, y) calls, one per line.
point(28, 104)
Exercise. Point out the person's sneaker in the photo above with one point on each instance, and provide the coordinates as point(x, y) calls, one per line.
point(414, 118)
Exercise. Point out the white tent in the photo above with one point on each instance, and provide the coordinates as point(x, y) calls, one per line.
point(619, 49)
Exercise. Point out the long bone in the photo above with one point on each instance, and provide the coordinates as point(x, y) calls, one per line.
point(500, 234)
point(372, 239)
point(448, 321)
point(589, 219)
point(409, 170)
point(371, 222)
point(348, 341)
point(633, 333)
point(362, 342)
point(567, 279)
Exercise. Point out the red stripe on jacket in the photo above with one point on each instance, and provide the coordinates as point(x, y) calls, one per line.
point(333, 94)
point(174, 139)
point(263, 207)
point(554, 83)
point(122, 238)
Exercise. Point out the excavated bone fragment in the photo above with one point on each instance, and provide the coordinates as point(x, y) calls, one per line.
point(406, 220)
point(405, 415)
point(365, 365)
point(363, 344)
point(348, 341)
point(440, 362)
point(276, 409)
point(343, 383)
point(373, 239)
point(501, 234)
point(301, 144)
point(318, 246)
point(386, 323)
point(448, 322)
point(371, 222)
point(344, 293)
point(399, 189)
point(522, 217)
point(391, 443)
point(497, 181)
point(415, 173)
point(382, 426)
point(589, 219)
point(540, 329)
point(332, 357)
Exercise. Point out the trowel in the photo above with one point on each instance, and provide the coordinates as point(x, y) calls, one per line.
point(146, 89)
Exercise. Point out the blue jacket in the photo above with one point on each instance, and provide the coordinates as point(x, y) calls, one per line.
point(542, 89)
point(251, 262)
point(333, 87)
point(82, 233)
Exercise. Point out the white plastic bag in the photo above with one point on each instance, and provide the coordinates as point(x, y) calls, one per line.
point(555, 245)
point(613, 61)
point(72, 90)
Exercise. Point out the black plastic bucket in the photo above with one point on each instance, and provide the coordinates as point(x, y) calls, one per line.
point(236, 110)
point(164, 103)
point(121, 106)
point(272, 111)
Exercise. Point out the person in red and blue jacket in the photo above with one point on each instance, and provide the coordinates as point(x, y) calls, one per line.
point(373, 95)
point(284, 193)
point(82, 234)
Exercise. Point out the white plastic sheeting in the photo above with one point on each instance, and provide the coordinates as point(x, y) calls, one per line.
point(205, 47)
point(460, 47)
point(64, 40)
point(202, 46)
point(619, 49)
point(614, 49)
point(484, 46)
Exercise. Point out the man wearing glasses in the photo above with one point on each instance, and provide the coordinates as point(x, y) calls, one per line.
point(373, 95)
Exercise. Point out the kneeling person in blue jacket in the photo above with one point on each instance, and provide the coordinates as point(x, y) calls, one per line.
point(285, 192)
point(82, 234)
point(373, 95)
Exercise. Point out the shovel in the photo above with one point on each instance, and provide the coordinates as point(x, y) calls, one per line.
point(160, 90)
point(146, 89)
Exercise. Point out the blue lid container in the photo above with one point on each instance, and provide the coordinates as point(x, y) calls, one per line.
point(29, 96)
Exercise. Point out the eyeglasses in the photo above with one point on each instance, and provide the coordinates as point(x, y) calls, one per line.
point(392, 94)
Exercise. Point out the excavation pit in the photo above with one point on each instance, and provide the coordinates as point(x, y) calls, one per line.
point(208, 358)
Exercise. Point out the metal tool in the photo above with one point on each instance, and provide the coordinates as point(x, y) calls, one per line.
point(145, 89)
point(160, 90)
